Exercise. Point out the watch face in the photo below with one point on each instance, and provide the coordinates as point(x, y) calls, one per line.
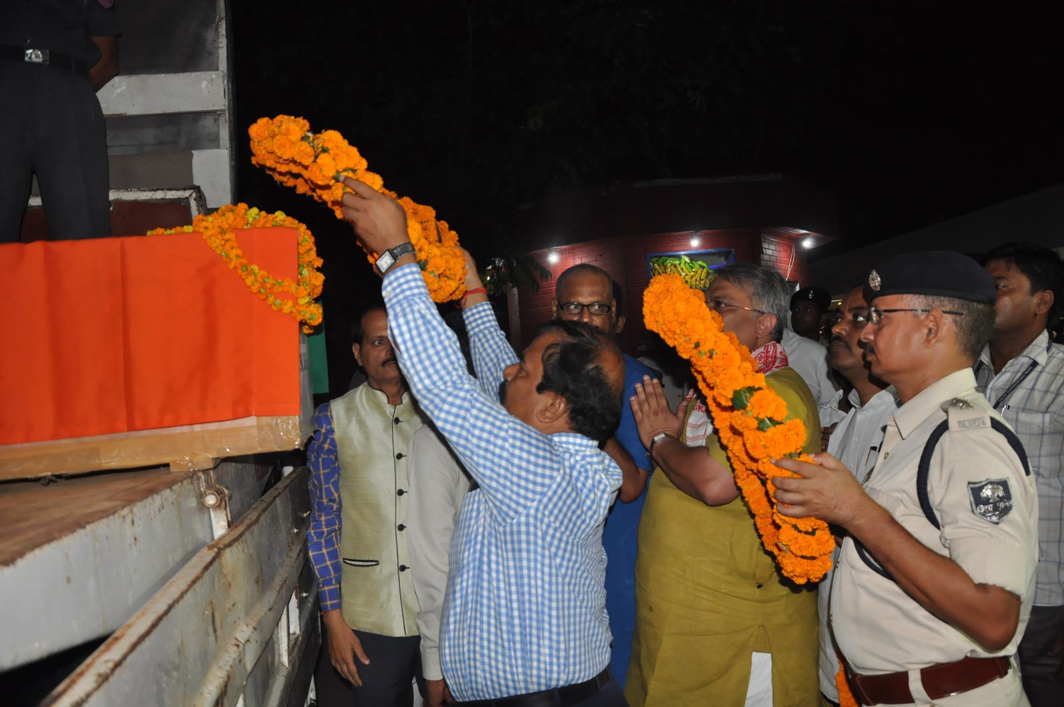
point(385, 261)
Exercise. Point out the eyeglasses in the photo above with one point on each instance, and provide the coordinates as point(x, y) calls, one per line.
point(875, 314)
point(576, 309)
point(857, 320)
point(723, 306)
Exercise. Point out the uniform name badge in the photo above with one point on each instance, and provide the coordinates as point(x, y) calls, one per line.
point(991, 499)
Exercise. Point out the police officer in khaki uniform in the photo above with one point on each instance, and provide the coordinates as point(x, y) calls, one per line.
point(934, 582)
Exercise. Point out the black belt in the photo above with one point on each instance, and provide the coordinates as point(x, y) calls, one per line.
point(47, 57)
point(558, 697)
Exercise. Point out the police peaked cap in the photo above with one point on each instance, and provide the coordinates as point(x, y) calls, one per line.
point(937, 273)
point(817, 295)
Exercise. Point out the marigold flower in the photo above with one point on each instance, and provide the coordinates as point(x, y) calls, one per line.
point(313, 163)
point(294, 298)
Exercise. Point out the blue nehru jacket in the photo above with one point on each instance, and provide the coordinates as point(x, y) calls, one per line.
point(621, 532)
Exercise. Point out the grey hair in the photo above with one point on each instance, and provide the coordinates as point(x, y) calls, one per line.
point(974, 327)
point(769, 292)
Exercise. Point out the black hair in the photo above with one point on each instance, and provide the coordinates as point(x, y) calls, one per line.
point(356, 326)
point(572, 368)
point(1040, 265)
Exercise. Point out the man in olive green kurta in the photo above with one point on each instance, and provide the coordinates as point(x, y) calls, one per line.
point(710, 602)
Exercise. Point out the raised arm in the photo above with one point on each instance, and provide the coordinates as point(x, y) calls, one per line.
point(489, 441)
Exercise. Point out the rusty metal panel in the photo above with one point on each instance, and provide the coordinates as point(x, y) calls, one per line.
point(98, 549)
point(231, 627)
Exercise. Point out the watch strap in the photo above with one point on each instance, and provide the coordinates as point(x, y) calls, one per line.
point(655, 439)
point(387, 258)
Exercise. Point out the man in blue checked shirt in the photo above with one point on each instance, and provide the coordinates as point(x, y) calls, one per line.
point(524, 616)
point(587, 293)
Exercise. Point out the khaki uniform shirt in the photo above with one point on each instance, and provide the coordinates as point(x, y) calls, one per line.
point(987, 509)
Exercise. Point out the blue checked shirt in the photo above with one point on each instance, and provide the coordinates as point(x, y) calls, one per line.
point(525, 608)
point(323, 534)
point(1029, 393)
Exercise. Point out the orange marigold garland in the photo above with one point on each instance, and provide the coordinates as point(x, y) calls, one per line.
point(314, 163)
point(749, 418)
point(846, 698)
point(295, 299)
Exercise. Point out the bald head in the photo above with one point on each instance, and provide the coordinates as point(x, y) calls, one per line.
point(586, 293)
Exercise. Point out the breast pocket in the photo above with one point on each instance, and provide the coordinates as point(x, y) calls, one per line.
point(1034, 428)
point(352, 562)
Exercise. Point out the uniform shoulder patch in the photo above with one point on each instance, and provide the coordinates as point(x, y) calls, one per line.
point(991, 500)
point(963, 415)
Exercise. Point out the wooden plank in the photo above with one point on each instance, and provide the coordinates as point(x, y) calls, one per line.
point(33, 514)
point(182, 448)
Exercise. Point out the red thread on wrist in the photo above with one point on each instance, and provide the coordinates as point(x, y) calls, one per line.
point(475, 291)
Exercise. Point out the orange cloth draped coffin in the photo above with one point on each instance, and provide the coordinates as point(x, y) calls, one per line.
point(121, 334)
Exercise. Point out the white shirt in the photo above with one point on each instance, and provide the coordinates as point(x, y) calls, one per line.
point(810, 360)
point(437, 486)
point(856, 439)
point(855, 442)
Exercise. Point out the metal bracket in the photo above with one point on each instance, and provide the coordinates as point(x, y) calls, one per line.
point(215, 498)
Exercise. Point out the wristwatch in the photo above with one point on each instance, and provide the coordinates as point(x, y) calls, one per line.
point(657, 438)
point(387, 258)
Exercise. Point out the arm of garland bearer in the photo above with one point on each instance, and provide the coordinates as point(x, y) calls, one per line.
point(691, 469)
point(828, 490)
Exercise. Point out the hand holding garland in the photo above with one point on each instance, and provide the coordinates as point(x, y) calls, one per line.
point(825, 488)
point(321, 164)
point(475, 292)
point(378, 219)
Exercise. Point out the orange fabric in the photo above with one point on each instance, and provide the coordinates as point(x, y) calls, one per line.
point(120, 334)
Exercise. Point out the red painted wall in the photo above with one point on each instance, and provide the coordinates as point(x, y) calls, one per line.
point(625, 259)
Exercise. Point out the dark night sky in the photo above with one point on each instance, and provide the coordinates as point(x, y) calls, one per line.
point(909, 112)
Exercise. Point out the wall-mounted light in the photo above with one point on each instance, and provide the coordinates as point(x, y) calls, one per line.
point(808, 243)
point(553, 257)
point(696, 241)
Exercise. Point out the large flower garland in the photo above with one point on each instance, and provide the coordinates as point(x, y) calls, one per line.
point(314, 163)
point(846, 698)
point(749, 417)
point(295, 299)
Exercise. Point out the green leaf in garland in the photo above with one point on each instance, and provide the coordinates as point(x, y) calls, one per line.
point(741, 397)
point(767, 423)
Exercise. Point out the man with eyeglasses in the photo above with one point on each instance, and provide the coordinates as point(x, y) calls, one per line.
point(586, 293)
point(855, 440)
point(808, 357)
point(1022, 375)
point(716, 624)
point(935, 578)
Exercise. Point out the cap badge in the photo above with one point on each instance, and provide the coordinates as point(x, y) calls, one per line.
point(873, 281)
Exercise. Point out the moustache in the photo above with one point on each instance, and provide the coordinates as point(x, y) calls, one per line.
point(386, 361)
